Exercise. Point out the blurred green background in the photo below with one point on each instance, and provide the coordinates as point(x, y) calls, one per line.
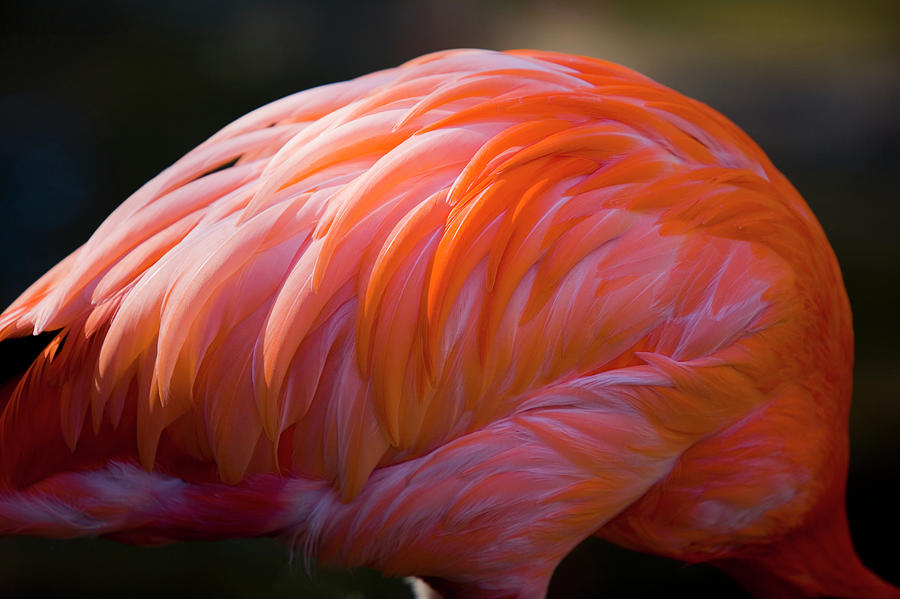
point(97, 97)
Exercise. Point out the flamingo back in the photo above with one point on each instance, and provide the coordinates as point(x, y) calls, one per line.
point(495, 300)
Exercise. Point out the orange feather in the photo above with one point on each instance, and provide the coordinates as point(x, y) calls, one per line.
point(448, 320)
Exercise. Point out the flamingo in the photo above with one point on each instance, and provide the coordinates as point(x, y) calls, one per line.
point(448, 320)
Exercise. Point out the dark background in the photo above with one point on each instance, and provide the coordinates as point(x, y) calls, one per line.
point(97, 97)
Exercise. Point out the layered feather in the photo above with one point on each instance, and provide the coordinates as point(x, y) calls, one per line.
point(521, 277)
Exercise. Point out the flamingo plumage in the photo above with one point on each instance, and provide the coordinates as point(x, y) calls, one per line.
point(448, 320)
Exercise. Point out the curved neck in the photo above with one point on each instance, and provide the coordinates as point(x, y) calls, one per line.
point(817, 560)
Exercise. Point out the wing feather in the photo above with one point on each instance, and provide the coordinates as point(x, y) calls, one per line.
point(356, 275)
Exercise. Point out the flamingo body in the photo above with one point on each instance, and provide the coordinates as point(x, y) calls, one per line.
point(449, 319)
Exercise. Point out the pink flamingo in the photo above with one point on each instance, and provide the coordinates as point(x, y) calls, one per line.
point(448, 320)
